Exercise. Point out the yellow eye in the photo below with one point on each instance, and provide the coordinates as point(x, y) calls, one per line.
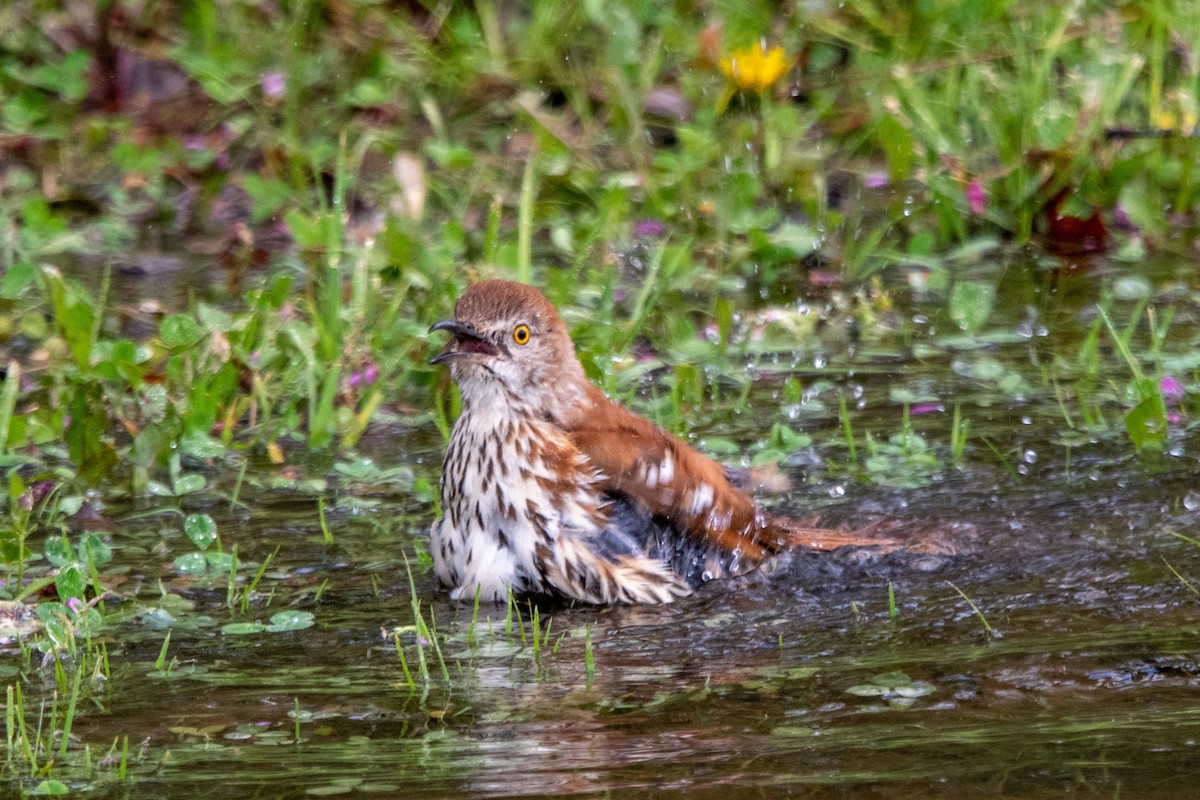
point(521, 334)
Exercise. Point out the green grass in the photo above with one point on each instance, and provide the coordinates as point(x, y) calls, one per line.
point(991, 632)
point(733, 271)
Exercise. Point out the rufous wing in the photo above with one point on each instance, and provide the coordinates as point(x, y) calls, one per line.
point(674, 482)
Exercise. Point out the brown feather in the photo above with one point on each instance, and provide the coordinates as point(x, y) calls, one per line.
point(672, 480)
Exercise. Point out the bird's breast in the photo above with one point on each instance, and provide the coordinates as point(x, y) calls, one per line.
point(509, 487)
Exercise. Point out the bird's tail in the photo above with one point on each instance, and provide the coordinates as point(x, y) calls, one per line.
point(804, 533)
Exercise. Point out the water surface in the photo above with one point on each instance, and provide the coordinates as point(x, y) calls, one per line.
point(1075, 673)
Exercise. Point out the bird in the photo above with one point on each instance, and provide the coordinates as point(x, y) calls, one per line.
point(550, 488)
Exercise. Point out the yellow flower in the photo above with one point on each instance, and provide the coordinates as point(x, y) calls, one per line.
point(1170, 120)
point(755, 68)
point(1176, 112)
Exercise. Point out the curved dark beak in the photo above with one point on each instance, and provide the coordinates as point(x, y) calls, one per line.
point(466, 341)
point(455, 327)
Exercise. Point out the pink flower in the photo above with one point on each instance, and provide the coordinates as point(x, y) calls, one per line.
point(875, 180)
point(273, 84)
point(1121, 221)
point(1171, 388)
point(924, 408)
point(976, 198)
point(364, 377)
point(649, 229)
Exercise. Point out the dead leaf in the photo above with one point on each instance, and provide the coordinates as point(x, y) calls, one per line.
point(409, 172)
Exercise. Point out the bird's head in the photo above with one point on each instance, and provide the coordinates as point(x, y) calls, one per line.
point(509, 344)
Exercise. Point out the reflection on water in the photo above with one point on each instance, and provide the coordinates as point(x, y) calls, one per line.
point(1087, 684)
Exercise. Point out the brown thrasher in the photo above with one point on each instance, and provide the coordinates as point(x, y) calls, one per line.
point(549, 487)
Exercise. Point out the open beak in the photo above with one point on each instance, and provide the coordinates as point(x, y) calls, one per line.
point(466, 341)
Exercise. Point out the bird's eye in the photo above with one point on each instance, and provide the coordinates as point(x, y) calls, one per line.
point(521, 334)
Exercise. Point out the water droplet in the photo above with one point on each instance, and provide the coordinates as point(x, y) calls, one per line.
point(819, 362)
point(1029, 456)
point(837, 490)
point(1026, 420)
point(1191, 501)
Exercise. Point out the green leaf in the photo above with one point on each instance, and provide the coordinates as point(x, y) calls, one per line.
point(267, 196)
point(87, 443)
point(89, 619)
point(914, 690)
point(719, 446)
point(179, 330)
point(309, 230)
point(797, 240)
point(71, 582)
point(892, 679)
point(243, 628)
point(187, 484)
point(59, 633)
point(95, 548)
point(290, 621)
point(69, 77)
point(16, 280)
point(784, 438)
point(768, 456)
point(58, 551)
point(904, 394)
point(1147, 424)
point(200, 445)
point(219, 562)
point(74, 312)
point(150, 441)
point(25, 112)
point(201, 530)
point(971, 304)
point(192, 563)
point(48, 787)
point(897, 144)
point(69, 506)
point(51, 611)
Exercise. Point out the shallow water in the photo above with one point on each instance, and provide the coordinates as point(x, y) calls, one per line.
point(1079, 672)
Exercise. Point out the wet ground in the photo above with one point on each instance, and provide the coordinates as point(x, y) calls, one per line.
point(1044, 639)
